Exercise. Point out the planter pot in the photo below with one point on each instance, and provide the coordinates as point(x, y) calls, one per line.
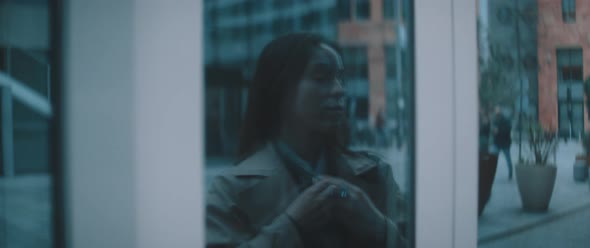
point(535, 184)
point(580, 171)
point(488, 163)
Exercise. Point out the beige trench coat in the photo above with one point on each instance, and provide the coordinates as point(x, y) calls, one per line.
point(246, 204)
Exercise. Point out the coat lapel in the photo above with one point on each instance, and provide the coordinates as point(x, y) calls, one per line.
point(272, 191)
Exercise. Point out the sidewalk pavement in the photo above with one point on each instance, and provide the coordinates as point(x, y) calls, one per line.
point(25, 211)
point(572, 231)
point(503, 215)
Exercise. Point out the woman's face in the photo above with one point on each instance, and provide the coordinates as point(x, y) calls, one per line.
point(319, 98)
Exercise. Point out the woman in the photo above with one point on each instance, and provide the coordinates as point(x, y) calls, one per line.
point(298, 185)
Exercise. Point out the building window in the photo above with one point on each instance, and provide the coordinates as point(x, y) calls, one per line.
point(355, 63)
point(2, 59)
point(259, 5)
point(504, 15)
point(282, 4)
point(282, 26)
point(569, 63)
point(363, 9)
point(343, 9)
point(568, 10)
point(311, 20)
point(235, 9)
point(570, 92)
point(530, 62)
point(390, 62)
point(389, 9)
point(362, 108)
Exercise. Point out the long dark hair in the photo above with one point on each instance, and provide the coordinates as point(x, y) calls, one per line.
point(280, 67)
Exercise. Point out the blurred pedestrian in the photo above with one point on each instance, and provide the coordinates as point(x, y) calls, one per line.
point(380, 129)
point(502, 128)
point(488, 159)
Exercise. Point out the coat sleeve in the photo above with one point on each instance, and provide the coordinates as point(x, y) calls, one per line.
point(227, 226)
point(393, 205)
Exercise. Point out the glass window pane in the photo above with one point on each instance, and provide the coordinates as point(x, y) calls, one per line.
point(576, 56)
point(26, 175)
point(343, 9)
point(363, 9)
point(533, 124)
point(390, 57)
point(389, 9)
point(569, 10)
point(318, 101)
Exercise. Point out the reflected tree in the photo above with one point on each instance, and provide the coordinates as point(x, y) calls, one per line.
point(495, 88)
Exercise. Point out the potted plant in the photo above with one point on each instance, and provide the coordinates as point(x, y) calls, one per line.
point(536, 176)
point(495, 89)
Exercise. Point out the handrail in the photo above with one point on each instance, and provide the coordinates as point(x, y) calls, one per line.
point(35, 66)
point(27, 96)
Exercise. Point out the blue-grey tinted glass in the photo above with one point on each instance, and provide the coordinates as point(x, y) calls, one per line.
point(309, 123)
point(533, 126)
point(26, 207)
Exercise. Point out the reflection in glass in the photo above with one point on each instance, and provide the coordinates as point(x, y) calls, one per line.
point(532, 88)
point(297, 181)
point(322, 107)
point(26, 112)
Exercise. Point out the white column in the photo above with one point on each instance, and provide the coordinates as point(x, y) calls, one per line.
point(466, 104)
point(446, 119)
point(169, 121)
point(133, 127)
point(435, 130)
point(99, 124)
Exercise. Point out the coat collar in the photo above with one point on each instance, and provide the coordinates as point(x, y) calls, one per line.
point(358, 162)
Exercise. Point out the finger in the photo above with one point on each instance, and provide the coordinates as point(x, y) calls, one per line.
point(327, 192)
point(343, 183)
point(319, 186)
point(317, 178)
point(341, 190)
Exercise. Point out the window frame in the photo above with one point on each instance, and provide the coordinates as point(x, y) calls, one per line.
point(446, 123)
point(357, 11)
point(568, 11)
point(445, 178)
point(389, 9)
point(361, 63)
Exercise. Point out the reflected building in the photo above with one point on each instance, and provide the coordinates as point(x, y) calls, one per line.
point(564, 54)
point(25, 87)
point(508, 43)
point(542, 44)
point(237, 30)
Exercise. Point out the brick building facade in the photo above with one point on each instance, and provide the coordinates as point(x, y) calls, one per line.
point(564, 63)
point(373, 35)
